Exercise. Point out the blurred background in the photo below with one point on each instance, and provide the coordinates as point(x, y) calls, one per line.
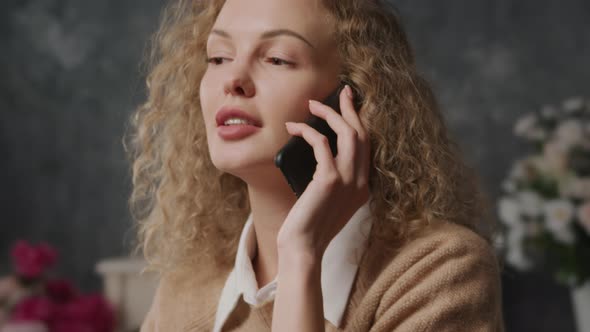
point(70, 77)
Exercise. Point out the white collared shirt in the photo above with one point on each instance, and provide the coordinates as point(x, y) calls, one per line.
point(339, 267)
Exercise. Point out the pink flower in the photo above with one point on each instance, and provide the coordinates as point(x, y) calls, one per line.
point(35, 308)
point(66, 326)
point(92, 311)
point(60, 290)
point(30, 261)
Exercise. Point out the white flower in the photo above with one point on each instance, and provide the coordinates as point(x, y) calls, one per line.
point(518, 170)
point(526, 169)
point(558, 216)
point(558, 213)
point(569, 132)
point(530, 203)
point(515, 254)
point(539, 164)
point(499, 242)
point(555, 155)
point(515, 235)
point(548, 112)
point(575, 187)
point(573, 104)
point(583, 215)
point(509, 186)
point(525, 124)
point(509, 211)
point(536, 134)
point(565, 236)
point(564, 183)
point(517, 258)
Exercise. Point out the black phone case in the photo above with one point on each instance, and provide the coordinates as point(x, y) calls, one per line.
point(296, 159)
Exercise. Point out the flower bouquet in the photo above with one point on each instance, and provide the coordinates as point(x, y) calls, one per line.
point(545, 206)
point(32, 301)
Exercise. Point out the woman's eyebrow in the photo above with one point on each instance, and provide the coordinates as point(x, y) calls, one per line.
point(268, 34)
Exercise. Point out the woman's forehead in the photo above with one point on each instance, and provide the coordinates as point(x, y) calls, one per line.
point(306, 19)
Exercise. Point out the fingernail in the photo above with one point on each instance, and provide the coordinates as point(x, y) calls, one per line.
point(348, 91)
point(313, 104)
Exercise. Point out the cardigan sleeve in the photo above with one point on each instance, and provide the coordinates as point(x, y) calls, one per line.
point(446, 284)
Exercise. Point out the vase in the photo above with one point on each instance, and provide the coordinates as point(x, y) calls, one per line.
point(581, 305)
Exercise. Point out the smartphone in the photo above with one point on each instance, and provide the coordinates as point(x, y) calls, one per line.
point(296, 159)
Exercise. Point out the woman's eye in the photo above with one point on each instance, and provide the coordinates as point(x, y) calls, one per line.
point(273, 60)
point(215, 60)
point(278, 62)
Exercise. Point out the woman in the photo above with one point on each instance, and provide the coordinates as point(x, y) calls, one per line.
point(385, 237)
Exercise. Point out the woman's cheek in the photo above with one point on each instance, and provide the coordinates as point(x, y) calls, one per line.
point(207, 109)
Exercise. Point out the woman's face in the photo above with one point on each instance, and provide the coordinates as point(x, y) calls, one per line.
point(267, 58)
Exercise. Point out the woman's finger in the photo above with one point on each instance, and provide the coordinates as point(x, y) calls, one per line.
point(350, 114)
point(352, 117)
point(347, 136)
point(319, 143)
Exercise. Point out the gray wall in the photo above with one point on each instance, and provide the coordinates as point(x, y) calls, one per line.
point(68, 80)
point(69, 76)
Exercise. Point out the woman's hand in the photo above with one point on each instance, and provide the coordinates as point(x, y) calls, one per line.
point(338, 188)
point(339, 185)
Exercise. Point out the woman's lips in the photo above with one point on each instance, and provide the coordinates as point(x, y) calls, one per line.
point(236, 132)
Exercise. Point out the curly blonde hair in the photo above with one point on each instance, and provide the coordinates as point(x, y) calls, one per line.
point(187, 211)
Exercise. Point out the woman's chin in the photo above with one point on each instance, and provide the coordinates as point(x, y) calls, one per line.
point(252, 172)
point(242, 167)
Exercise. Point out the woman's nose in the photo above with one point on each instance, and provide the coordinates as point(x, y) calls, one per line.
point(239, 81)
point(239, 86)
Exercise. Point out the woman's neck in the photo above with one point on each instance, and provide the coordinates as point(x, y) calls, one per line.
point(270, 205)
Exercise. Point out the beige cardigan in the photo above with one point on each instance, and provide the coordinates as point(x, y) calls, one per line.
point(445, 280)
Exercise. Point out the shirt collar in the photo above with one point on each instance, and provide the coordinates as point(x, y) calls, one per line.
point(339, 266)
